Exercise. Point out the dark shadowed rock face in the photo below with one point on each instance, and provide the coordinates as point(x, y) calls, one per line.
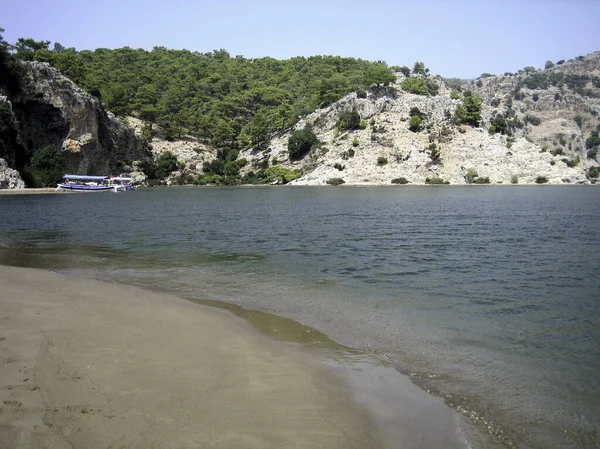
point(9, 134)
point(52, 110)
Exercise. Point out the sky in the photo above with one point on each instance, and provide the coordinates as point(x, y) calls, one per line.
point(454, 38)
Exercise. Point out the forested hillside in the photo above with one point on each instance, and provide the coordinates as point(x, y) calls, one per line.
point(209, 118)
point(232, 102)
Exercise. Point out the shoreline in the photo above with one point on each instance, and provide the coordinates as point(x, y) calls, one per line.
point(321, 393)
point(52, 190)
point(90, 364)
point(28, 191)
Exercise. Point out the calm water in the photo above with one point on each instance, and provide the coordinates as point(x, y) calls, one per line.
point(486, 296)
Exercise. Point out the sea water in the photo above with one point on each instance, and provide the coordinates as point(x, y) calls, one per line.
point(487, 297)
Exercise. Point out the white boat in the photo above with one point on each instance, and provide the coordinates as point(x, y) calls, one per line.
point(122, 183)
point(84, 183)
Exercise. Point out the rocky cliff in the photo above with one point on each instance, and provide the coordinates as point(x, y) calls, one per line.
point(9, 178)
point(190, 152)
point(50, 110)
point(534, 126)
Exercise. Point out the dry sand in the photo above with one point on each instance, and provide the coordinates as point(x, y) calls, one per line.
point(85, 364)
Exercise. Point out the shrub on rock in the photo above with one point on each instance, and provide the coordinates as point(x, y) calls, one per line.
point(301, 142)
point(335, 181)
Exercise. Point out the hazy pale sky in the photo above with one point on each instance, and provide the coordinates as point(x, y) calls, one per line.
point(455, 38)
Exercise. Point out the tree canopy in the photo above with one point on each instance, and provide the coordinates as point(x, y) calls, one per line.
point(301, 142)
point(469, 112)
point(230, 102)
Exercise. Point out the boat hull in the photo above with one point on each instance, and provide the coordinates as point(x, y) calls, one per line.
point(84, 188)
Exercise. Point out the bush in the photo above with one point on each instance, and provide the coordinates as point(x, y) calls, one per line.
point(348, 120)
point(45, 168)
point(535, 97)
point(432, 87)
point(419, 68)
point(381, 161)
point(335, 181)
point(434, 153)
point(514, 179)
point(556, 152)
point(280, 175)
point(549, 65)
point(363, 124)
point(541, 180)
point(360, 93)
point(495, 102)
point(414, 111)
point(485, 180)
point(339, 166)
point(301, 142)
point(155, 183)
point(594, 172)
point(579, 120)
point(400, 181)
point(166, 163)
point(404, 70)
point(572, 162)
point(469, 112)
point(562, 61)
point(355, 142)
point(435, 181)
point(147, 133)
point(533, 120)
point(454, 95)
point(593, 140)
point(415, 86)
point(415, 124)
point(471, 175)
point(561, 139)
point(499, 125)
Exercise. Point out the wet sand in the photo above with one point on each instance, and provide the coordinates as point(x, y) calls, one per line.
point(85, 364)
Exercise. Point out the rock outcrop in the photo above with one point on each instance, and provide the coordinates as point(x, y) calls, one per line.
point(190, 152)
point(52, 111)
point(9, 178)
point(547, 139)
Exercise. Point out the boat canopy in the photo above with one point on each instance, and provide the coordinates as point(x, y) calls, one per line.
point(120, 178)
point(85, 178)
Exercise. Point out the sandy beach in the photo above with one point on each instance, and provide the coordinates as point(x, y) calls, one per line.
point(85, 364)
point(28, 191)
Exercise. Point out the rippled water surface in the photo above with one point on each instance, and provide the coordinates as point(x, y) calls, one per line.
point(486, 296)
